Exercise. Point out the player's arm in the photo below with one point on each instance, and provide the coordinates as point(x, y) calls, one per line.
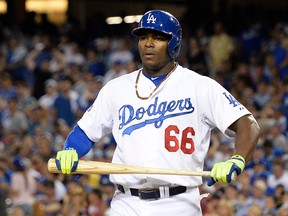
point(94, 124)
point(76, 145)
point(247, 135)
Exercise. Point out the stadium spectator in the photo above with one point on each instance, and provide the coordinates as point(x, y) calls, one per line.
point(196, 57)
point(14, 120)
point(23, 187)
point(47, 100)
point(225, 208)
point(74, 202)
point(44, 61)
point(65, 105)
point(256, 198)
point(279, 140)
point(89, 95)
point(4, 190)
point(270, 208)
point(220, 47)
point(94, 63)
point(15, 53)
point(232, 194)
point(7, 87)
point(95, 205)
point(279, 175)
point(48, 205)
point(119, 52)
point(116, 70)
point(74, 54)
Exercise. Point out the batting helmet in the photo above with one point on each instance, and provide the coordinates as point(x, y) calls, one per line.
point(164, 22)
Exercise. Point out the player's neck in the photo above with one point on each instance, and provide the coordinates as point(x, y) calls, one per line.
point(157, 84)
point(159, 71)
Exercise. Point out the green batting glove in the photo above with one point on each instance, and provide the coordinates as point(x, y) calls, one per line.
point(222, 171)
point(67, 160)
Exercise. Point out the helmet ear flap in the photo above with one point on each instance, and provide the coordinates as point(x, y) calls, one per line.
point(177, 49)
point(174, 47)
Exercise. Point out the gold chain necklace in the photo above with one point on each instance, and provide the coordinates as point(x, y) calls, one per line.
point(137, 80)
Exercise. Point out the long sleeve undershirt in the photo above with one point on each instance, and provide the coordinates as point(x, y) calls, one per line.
point(79, 141)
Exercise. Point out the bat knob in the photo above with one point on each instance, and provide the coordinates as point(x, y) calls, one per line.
point(234, 176)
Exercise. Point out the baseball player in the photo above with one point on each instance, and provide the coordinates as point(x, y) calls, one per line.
point(161, 116)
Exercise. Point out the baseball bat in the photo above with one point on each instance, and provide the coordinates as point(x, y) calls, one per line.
point(97, 167)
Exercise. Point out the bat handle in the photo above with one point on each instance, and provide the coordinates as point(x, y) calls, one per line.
point(208, 174)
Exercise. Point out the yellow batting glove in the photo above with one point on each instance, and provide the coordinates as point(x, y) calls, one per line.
point(222, 171)
point(67, 160)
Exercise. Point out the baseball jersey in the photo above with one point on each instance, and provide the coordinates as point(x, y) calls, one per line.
point(171, 129)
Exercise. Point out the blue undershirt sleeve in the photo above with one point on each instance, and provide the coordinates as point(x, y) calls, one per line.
point(79, 141)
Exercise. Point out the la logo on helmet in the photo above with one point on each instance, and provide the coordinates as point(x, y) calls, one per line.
point(151, 18)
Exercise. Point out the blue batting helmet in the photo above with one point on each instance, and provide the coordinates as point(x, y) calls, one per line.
point(164, 22)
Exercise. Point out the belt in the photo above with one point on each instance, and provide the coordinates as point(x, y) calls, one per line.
point(153, 194)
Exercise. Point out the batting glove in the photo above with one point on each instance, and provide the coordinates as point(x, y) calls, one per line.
point(222, 171)
point(67, 161)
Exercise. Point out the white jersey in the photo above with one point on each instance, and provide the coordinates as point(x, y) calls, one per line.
point(169, 130)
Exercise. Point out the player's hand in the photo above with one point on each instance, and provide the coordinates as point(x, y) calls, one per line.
point(222, 171)
point(67, 161)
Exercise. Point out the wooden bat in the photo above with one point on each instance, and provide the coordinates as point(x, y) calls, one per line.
point(96, 167)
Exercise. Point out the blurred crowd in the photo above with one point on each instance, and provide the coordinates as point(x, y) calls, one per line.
point(49, 78)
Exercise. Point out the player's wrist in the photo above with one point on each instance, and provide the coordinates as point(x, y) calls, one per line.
point(238, 157)
point(239, 161)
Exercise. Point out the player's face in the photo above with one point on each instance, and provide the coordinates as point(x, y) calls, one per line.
point(153, 50)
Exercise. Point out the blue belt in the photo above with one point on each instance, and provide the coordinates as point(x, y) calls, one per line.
point(152, 194)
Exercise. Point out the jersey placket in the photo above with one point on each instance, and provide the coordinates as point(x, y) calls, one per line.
point(150, 130)
point(146, 86)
